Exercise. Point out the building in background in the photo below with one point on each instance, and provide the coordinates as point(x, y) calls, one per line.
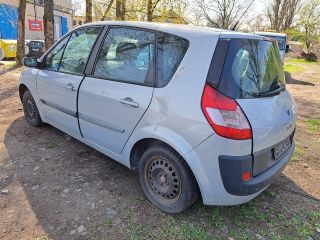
point(34, 18)
point(79, 20)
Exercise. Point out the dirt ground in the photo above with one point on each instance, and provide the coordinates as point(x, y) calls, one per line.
point(54, 187)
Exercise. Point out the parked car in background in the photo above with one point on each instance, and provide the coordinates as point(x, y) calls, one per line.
point(282, 40)
point(193, 110)
point(34, 48)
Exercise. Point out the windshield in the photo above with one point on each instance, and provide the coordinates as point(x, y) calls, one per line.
point(252, 68)
point(36, 44)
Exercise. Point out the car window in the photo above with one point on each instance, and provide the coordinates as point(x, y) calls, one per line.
point(78, 49)
point(171, 50)
point(52, 60)
point(252, 69)
point(126, 55)
point(36, 44)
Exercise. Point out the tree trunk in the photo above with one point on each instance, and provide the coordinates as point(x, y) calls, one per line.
point(48, 22)
point(120, 9)
point(150, 11)
point(88, 11)
point(107, 11)
point(21, 32)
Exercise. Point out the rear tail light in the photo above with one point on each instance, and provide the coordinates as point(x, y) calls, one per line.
point(225, 115)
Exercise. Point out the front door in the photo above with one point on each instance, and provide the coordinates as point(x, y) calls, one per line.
point(59, 79)
point(115, 97)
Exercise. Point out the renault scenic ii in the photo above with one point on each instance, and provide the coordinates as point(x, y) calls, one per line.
point(196, 112)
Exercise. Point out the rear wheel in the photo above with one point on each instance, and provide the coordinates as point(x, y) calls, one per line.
point(30, 109)
point(166, 179)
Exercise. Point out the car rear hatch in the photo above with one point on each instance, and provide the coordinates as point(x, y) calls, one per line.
point(250, 71)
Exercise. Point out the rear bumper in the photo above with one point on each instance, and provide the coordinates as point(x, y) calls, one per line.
point(231, 169)
point(218, 171)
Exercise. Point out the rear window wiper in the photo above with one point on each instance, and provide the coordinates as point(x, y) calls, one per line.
point(281, 88)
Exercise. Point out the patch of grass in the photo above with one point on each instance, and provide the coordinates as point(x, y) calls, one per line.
point(192, 232)
point(51, 145)
point(108, 222)
point(313, 124)
point(298, 152)
point(270, 194)
point(8, 65)
point(292, 68)
point(41, 238)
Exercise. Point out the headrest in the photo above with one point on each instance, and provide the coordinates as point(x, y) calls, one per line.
point(126, 51)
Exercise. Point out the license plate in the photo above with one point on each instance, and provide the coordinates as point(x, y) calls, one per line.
point(280, 148)
point(36, 50)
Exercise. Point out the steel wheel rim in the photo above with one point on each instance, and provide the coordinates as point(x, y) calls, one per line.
point(163, 180)
point(30, 107)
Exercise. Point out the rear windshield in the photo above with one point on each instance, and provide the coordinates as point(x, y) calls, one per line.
point(252, 68)
point(35, 44)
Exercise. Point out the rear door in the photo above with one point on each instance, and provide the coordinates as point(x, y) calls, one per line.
point(59, 79)
point(115, 96)
point(253, 75)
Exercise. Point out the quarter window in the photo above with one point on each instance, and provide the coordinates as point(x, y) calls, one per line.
point(171, 50)
point(126, 55)
point(52, 60)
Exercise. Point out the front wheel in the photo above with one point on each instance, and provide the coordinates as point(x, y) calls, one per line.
point(166, 179)
point(30, 109)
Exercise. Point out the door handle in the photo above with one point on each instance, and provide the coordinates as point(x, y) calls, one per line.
point(69, 86)
point(128, 101)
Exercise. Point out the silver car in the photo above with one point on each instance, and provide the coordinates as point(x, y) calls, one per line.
point(195, 111)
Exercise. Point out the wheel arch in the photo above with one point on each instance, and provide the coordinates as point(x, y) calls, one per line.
point(140, 147)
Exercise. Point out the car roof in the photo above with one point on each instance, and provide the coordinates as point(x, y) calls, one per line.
point(178, 29)
point(271, 34)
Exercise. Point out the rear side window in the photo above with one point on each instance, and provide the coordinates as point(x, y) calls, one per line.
point(170, 52)
point(252, 68)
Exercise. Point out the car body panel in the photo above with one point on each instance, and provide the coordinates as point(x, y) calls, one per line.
point(110, 123)
point(57, 92)
point(272, 119)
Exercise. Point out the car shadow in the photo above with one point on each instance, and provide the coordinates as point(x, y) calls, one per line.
point(68, 184)
point(290, 80)
point(7, 70)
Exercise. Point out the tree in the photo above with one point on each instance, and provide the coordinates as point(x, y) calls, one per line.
point(151, 6)
point(120, 9)
point(102, 10)
point(88, 11)
point(226, 14)
point(309, 21)
point(281, 13)
point(48, 22)
point(21, 32)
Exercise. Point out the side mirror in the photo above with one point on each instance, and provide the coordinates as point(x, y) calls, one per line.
point(287, 48)
point(30, 62)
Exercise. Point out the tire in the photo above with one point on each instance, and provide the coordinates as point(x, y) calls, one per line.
point(166, 179)
point(31, 111)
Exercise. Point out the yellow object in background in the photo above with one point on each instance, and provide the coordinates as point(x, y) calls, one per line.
point(8, 48)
